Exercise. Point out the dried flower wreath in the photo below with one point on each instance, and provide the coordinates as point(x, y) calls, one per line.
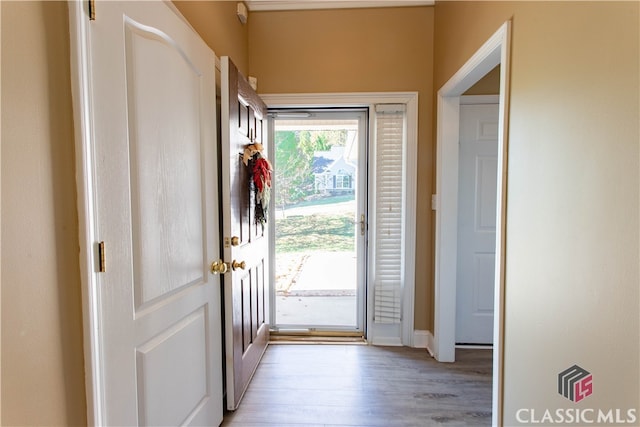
point(260, 169)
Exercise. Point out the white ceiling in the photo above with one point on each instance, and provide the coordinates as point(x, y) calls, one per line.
point(263, 5)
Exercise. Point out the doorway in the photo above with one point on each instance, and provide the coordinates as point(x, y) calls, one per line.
point(379, 330)
point(320, 199)
point(495, 51)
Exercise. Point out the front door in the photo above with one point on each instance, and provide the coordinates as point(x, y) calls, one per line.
point(477, 189)
point(150, 158)
point(245, 222)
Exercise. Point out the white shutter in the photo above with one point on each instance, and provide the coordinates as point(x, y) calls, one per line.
point(389, 205)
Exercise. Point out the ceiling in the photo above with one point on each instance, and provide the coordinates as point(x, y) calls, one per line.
point(265, 5)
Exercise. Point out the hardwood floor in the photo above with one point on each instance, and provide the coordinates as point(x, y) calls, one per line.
point(358, 385)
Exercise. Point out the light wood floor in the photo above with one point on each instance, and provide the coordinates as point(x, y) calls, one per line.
point(359, 385)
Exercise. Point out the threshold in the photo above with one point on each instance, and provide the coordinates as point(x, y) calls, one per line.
point(316, 337)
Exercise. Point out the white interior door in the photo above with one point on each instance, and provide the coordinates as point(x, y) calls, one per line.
point(246, 247)
point(477, 183)
point(153, 165)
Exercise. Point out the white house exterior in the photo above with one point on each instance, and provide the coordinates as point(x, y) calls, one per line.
point(334, 174)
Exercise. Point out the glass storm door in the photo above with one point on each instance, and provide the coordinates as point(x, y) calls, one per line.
point(319, 211)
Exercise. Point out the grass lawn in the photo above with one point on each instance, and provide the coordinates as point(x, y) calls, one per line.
point(323, 201)
point(315, 233)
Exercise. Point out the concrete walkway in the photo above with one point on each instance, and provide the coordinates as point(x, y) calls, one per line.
point(316, 311)
point(326, 274)
point(321, 293)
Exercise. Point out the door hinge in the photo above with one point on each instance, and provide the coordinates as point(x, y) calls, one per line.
point(434, 202)
point(101, 258)
point(92, 10)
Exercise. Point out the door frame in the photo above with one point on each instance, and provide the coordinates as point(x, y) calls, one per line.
point(83, 119)
point(495, 51)
point(381, 336)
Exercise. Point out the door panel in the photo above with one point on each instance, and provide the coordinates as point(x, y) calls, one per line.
point(168, 397)
point(486, 176)
point(172, 259)
point(245, 289)
point(154, 162)
point(476, 223)
point(484, 272)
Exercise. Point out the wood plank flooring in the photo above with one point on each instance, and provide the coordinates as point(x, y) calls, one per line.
point(359, 385)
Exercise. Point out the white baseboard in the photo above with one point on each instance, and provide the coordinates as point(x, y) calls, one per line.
point(430, 344)
point(387, 341)
point(423, 339)
point(420, 339)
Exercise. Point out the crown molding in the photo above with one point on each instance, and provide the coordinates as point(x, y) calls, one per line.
point(270, 5)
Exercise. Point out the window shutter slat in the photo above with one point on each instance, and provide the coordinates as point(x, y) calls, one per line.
point(390, 134)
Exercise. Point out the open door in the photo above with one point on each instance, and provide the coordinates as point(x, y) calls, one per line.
point(145, 111)
point(245, 269)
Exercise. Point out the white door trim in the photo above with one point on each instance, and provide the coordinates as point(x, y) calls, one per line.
point(369, 99)
point(83, 118)
point(494, 51)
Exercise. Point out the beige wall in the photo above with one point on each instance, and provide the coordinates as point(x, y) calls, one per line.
point(488, 85)
point(357, 50)
point(572, 255)
point(0, 221)
point(219, 26)
point(42, 354)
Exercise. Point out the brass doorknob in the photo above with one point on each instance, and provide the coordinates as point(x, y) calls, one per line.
point(236, 265)
point(219, 267)
point(235, 241)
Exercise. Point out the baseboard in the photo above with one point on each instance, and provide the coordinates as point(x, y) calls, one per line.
point(387, 341)
point(431, 344)
point(420, 339)
point(423, 339)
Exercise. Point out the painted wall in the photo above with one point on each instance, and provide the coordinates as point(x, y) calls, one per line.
point(488, 85)
point(572, 257)
point(219, 26)
point(0, 221)
point(357, 50)
point(42, 353)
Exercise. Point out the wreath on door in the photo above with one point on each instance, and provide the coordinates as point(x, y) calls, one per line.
point(260, 169)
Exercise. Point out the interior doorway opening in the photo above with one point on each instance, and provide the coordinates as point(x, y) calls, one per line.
point(495, 51)
point(320, 199)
